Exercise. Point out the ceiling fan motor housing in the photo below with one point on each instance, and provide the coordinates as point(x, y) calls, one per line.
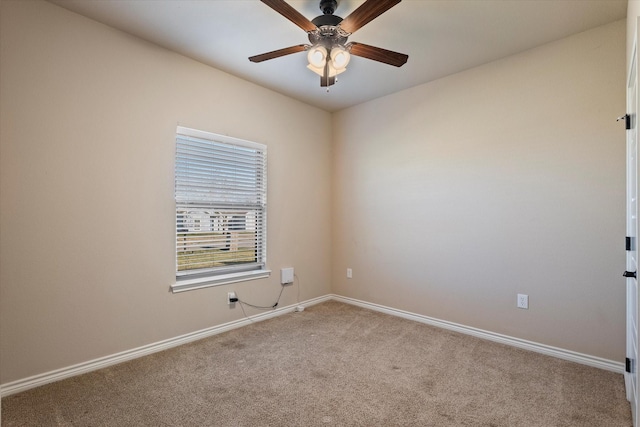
point(327, 36)
point(326, 20)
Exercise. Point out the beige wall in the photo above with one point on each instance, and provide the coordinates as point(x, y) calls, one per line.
point(452, 197)
point(88, 118)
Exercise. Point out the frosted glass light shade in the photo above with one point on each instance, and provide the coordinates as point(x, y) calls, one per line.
point(317, 56)
point(340, 58)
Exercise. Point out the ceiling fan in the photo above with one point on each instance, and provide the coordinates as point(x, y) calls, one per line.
point(329, 52)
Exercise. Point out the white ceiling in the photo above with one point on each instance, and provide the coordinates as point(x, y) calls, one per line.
point(441, 37)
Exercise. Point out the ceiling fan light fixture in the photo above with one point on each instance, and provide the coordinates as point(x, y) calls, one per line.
point(332, 72)
point(340, 58)
point(327, 70)
point(317, 56)
point(318, 71)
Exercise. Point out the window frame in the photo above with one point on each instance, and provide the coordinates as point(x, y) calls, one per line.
point(214, 276)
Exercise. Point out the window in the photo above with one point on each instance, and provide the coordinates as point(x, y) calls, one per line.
point(221, 209)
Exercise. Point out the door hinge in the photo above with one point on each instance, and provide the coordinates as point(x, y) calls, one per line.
point(628, 365)
point(629, 274)
point(627, 121)
point(629, 243)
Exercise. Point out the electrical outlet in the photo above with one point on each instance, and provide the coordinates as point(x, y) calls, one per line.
point(349, 273)
point(231, 298)
point(523, 301)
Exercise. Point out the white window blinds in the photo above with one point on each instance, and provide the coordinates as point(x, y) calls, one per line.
point(220, 194)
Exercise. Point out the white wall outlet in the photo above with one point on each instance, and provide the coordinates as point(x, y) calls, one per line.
point(286, 275)
point(523, 301)
point(231, 298)
point(349, 273)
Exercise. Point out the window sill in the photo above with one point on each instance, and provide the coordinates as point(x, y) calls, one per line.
point(225, 279)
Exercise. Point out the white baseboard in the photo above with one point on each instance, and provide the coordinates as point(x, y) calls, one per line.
point(103, 362)
point(560, 353)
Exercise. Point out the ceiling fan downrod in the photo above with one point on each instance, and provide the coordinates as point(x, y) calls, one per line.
point(328, 6)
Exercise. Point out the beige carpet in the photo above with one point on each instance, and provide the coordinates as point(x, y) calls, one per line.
point(332, 365)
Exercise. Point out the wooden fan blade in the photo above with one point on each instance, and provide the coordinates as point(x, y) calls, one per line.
point(368, 11)
point(278, 53)
point(286, 10)
point(378, 54)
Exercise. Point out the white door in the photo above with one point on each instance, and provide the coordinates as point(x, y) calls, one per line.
point(631, 377)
